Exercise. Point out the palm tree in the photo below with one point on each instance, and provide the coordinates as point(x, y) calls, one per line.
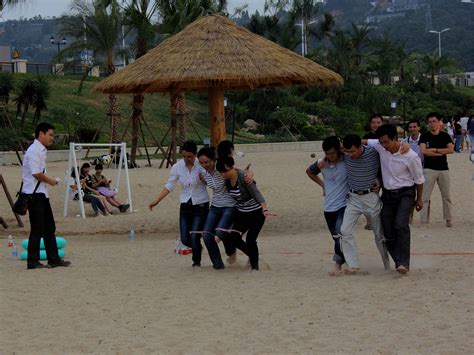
point(40, 96)
point(383, 59)
point(176, 15)
point(97, 26)
point(433, 65)
point(25, 97)
point(324, 32)
point(138, 17)
point(7, 3)
point(341, 53)
point(6, 86)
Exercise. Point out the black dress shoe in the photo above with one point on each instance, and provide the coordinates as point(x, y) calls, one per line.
point(196, 264)
point(36, 266)
point(58, 263)
point(219, 267)
point(123, 208)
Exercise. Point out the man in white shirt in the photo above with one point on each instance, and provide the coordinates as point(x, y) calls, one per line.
point(35, 183)
point(403, 180)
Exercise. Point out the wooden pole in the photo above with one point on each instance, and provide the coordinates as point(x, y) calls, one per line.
point(216, 115)
point(10, 200)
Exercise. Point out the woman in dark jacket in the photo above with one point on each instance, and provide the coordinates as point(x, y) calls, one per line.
point(251, 208)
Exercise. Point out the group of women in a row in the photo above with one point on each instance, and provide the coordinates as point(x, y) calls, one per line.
point(237, 206)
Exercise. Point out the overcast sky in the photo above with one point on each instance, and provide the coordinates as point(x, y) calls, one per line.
point(46, 8)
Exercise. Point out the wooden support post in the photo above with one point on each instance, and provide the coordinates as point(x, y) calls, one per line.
point(216, 115)
point(3, 223)
point(10, 200)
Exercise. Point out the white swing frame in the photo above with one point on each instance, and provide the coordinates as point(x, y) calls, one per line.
point(73, 160)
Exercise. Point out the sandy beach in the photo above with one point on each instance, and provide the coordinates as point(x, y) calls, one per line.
point(122, 296)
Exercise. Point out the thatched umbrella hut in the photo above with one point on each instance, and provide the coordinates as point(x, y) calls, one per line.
point(213, 54)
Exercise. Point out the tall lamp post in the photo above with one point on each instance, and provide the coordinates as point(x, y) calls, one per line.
point(60, 43)
point(304, 36)
point(439, 38)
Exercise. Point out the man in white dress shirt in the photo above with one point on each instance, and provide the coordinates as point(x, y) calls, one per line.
point(403, 180)
point(35, 183)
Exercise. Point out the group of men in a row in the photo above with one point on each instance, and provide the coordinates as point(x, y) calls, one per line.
point(406, 172)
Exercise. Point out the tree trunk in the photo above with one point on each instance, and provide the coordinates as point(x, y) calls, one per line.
point(137, 106)
point(113, 118)
point(173, 124)
point(182, 113)
point(23, 116)
point(216, 115)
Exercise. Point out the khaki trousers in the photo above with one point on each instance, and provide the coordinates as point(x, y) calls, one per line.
point(442, 178)
point(369, 205)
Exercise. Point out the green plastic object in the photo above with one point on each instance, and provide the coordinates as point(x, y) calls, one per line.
point(24, 254)
point(60, 241)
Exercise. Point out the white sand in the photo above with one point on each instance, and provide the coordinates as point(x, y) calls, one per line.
point(138, 297)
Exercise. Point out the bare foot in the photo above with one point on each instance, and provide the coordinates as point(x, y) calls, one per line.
point(351, 271)
point(232, 258)
point(337, 271)
point(402, 269)
point(449, 223)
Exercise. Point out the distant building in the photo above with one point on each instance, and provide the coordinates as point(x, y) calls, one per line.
point(387, 9)
point(10, 61)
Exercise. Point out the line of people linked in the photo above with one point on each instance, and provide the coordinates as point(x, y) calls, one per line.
point(355, 170)
point(237, 206)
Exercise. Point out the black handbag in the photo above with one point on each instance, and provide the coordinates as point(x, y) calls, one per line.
point(21, 204)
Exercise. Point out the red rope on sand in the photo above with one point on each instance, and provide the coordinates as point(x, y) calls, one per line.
point(435, 253)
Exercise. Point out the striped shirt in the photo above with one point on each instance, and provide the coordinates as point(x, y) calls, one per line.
point(243, 206)
point(362, 172)
point(220, 196)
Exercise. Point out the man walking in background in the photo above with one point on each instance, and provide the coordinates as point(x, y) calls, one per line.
point(35, 183)
point(435, 145)
point(375, 121)
point(413, 138)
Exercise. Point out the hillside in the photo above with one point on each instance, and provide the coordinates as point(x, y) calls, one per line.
point(70, 112)
point(31, 36)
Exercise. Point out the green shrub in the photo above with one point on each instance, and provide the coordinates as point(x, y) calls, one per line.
point(10, 139)
point(86, 135)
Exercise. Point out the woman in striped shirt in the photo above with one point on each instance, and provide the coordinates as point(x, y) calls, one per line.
point(251, 208)
point(222, 211)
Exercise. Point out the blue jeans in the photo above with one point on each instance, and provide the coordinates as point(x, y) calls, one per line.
point(219, 217)
point(192, 219)
point(334, 222)
point(457, 142)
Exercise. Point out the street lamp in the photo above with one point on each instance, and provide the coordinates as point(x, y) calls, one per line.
point(439, 38)
point(58, 42)
point(304, 40)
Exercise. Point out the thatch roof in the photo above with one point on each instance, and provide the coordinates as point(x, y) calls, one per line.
point(214, 51)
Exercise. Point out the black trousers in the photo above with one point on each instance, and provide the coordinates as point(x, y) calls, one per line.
point(395, 220)
point(42, 226)
point(252, 223)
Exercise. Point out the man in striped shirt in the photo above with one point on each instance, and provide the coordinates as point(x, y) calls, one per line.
point(362, 165)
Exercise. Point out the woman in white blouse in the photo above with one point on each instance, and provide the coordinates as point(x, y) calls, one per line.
point(194, 199)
